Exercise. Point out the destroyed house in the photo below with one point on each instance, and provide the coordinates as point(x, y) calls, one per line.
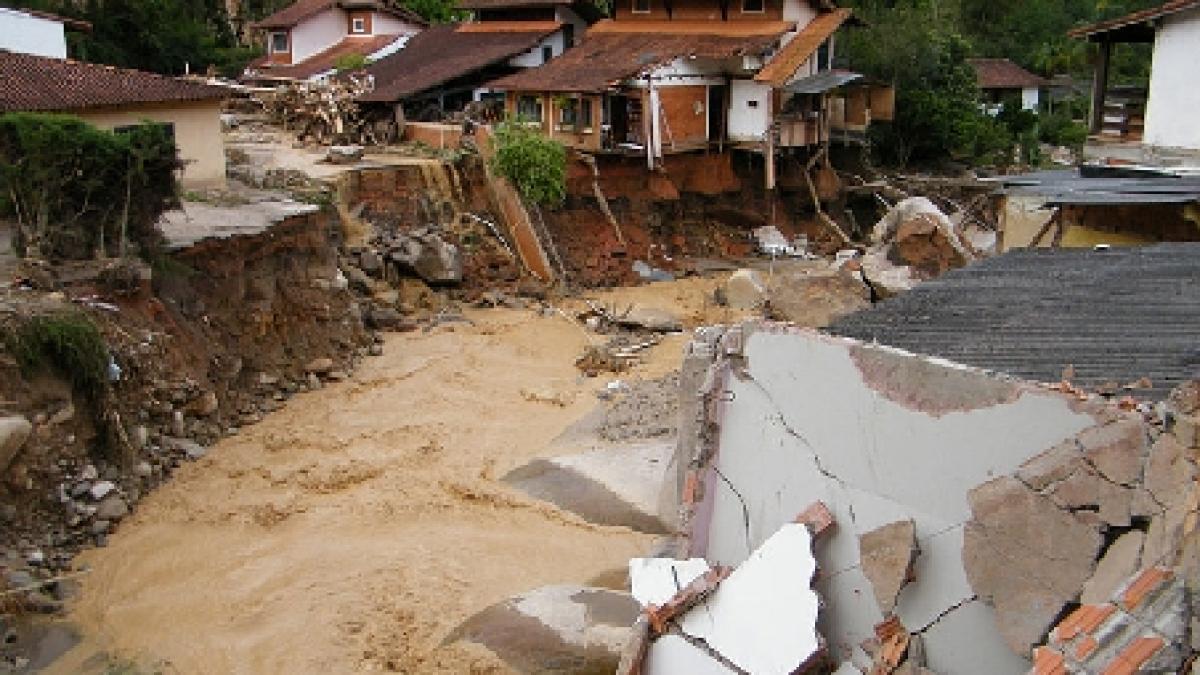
point(449, 66)
point(310, 38)
point(113, 98)
point(672, 76)
point(1160, 115)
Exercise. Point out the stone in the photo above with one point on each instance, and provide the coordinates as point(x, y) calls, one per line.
point(383, 318)
point(190, 448)
point(886, 278)
point(204, 405)
point(887, 555)
point(319, 366)
point(430, 257)
point(1086, 490)
point(344, 154)
point(1120, 561)
point(89, 472)
point(745, 290)
point(101, 526)
point(112, 508)
point(1052, 466)
point(555, 629)
point(1164, 535)
point(1169, 475)
point(101, 489)
point(815, 300)
point(14, 432)
point(916, 234)
point(143, 469)
point(652, 319)
point(1026, 557)
point(1187, 431)
point(1116, 449)
point(371, 262)
point(313, 381)
point(139, 437)
point(358, 279)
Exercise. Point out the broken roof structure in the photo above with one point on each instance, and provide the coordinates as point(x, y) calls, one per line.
point(1112, 316)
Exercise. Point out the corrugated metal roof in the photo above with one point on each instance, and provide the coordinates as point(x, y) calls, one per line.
point(1069, 187)
point(822, 82)
point(1115, 316)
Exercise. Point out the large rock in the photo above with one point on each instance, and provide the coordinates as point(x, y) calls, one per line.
point(425, 254)
point(14, 431)
point(555, 629)
point(1026, 557)
point(745, 289)
point(917, 234)
point(816, 299)
point(651, 318)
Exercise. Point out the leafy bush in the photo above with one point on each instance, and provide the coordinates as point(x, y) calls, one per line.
point(74, 189)
point(350, 62)
point(536, 165)
point(1059, 129)
point(70, 345)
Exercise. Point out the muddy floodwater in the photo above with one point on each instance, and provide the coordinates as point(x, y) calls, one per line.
point(355, 528)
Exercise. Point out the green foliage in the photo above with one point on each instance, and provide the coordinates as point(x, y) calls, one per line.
point(69, 345)
point(73, 188)
point(435, 11)
point(350, 62)
point(535, 164)
point(1059, 128)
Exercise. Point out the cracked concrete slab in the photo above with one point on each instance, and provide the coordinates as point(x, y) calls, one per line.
point(654, 581)
point(888, 555)
point(1118, 563)
point(673, 655)
point(611, 485)
point(786, 417)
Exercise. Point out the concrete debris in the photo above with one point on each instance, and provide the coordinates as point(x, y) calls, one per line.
point(655, 581)
point(771, 242)
point(917, 234)
point(1031, 484)
point(816, 298)
point(887, 555)
point(763, 617)
point(652, 319)
point(426, 254)
point(745, 289)
point(14, 431)
point(1026, 557)
point(344, 154)
point(615, 485)
point(555, 629)
point(887, 278)
point(645, 271)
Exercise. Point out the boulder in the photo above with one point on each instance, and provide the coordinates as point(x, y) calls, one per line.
point(112, 508)
point(428, 256)
point(555, 629)
point(652, 319)
point(915, 233)
point(816, 299)
point(746, 290)
point(14, 431)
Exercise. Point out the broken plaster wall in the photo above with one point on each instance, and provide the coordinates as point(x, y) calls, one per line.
point(789, 417)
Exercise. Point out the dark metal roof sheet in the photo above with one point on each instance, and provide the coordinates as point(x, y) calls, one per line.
point(822, 82)
point(1070, 187)
point(1115, 315)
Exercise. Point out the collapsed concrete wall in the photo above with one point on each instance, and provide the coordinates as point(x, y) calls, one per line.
point(969, 507)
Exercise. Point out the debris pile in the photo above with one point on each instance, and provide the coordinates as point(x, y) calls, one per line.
point(328, 113)
point(630, 331)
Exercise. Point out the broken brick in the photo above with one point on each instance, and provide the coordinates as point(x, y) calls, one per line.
point(1083, 620)
point(1145, 585)
point(1048, 661)
point(887, 555)
point(1085, 647)
point(1132, 657)
point(817, 518)
point(690, 596)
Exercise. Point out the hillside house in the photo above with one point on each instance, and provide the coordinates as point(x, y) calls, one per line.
point(31, 32)
point(672, 76)
point(112, 98)
point(1168, 120)
point(306, 39)
point(448, 66)
point(1002, 81)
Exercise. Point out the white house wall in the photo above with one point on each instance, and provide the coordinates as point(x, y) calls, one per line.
point(20, 32)
point(317, 34)
point(749, 110)
point(1029, 98)
point(386, 24)
point(1174, 94)
point(533, 57)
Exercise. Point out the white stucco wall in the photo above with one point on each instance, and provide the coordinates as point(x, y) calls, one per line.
point(747, 122)
point(317, 34)
point(533, 57)
point(20, 32)
point(1171, 119)
point(1029, 98)
point(386, 24)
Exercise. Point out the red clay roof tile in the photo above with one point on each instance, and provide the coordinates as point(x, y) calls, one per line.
point(1132, 657)
point(1003, 74)
point(1048, 661)
point(1144, 585)
point(1083, 620)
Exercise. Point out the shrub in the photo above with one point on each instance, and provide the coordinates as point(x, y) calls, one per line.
point(70, 345)
point(73, 189)
point(350, 62)
point(536, 165)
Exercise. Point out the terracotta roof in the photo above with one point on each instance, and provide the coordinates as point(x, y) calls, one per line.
point(508, 26)
point(1003, 74)
point(443, 53)
point(29, 82)
point(603, 59)
point(324, 61)
point(503, 4)
point(718, 28)
point(73, 24)
point(783, 66)
point(302, 9)
point(1165, 9)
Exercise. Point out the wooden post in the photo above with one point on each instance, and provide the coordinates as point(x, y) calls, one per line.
point(1100, 87)
point(770, 151)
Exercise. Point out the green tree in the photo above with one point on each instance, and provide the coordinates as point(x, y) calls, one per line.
point(535, 164)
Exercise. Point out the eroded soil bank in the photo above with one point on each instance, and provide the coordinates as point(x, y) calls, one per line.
point(355, 528)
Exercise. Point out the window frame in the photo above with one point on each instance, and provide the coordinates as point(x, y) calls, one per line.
point(287, 42)
point(530, 119)
point(577, 116)
point(358, 25)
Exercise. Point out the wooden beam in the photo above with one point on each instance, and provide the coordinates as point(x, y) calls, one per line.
point(1100, 87)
